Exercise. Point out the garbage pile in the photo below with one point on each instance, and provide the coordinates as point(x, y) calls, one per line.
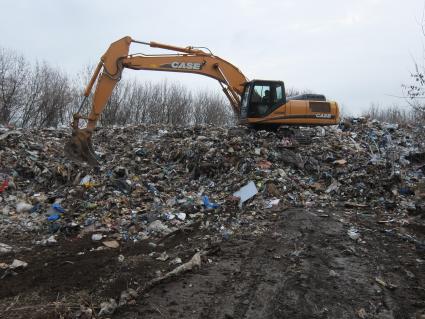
point(156, 179)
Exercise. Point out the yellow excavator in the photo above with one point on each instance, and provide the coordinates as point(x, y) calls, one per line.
point(257, 103)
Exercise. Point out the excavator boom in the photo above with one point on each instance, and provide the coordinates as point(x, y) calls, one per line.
point(109, 70)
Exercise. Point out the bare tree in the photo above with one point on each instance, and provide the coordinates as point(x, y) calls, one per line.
point(48, 95)
point(179, 106)
point(294, 91)
point(13, 73)
point(414, 92)
point(212, 108)
point(40, 96)
point(33, 90)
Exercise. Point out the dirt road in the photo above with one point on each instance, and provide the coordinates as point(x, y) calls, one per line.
point(304, 265)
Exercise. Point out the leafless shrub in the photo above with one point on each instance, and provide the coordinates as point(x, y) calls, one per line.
point(393, 114)
point(415, 93)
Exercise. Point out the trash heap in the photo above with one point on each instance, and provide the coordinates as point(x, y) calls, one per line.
point(156, 179)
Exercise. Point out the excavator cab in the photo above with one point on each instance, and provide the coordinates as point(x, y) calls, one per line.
point(261, 97)
point(264, 104)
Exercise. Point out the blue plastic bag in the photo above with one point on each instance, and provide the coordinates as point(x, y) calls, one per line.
point(57, 207)
point(53, 217)
point(208, 204)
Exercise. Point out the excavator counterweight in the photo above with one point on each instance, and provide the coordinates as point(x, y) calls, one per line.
point(259, 103)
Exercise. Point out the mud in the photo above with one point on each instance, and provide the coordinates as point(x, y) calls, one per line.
point(304, 266)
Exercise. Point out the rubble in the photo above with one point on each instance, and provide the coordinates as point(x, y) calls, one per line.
point(147, 188)
point(127, 296)
point(18, 264)
point(96, 237)
point(246, 192)
point(23, 207)
point(4, 249)
point(156, 181)
point(108, 307)
point(111, 243)
point(194, 262)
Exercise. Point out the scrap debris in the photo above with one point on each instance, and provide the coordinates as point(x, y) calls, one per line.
point(150, 187)
point(156, 182)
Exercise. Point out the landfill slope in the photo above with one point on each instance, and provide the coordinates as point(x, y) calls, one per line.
point(306, 268)
point(210, 222)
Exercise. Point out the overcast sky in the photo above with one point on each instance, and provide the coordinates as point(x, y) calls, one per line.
point(357, 52)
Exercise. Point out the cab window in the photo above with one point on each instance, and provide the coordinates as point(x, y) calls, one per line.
point(265, 98)
point(260, 99)
point(244, 103)
point(279, 95)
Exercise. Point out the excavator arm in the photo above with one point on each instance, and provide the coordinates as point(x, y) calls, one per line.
point(109, 70)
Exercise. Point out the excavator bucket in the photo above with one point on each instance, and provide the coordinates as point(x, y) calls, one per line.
point(80, 148)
